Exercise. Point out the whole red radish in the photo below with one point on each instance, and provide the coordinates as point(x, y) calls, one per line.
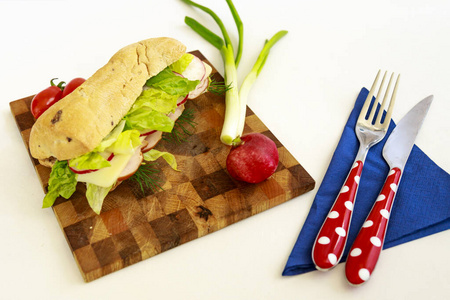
point(254, 159)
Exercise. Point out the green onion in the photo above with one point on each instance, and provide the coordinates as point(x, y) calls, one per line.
point(235, 98)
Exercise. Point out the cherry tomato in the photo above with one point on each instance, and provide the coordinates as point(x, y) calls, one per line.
point(73, 84)
point(46, 98)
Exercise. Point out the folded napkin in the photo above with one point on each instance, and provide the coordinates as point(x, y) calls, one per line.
point(421, 206)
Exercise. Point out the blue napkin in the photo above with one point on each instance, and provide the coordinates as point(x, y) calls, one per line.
point(421, 207)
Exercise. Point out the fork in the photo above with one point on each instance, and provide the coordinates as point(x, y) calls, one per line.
point(370, 129)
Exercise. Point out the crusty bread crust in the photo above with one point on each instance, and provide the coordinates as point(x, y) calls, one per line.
point(76, 124)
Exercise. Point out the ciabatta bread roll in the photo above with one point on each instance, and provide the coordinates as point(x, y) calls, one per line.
point(76, 124)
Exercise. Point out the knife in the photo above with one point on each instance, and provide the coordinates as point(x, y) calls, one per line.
point(366, 248)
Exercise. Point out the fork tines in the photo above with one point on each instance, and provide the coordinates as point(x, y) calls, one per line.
point(374, 106)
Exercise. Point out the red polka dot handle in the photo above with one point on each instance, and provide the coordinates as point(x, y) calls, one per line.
point(366, 248)
point(330, 242)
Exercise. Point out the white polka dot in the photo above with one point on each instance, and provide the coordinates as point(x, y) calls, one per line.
point(355, 165)
point(357, 179)
point(368, 223)
point(345, 189)
point(364, 274)
point(381, 197)
point(391, 172)
point(332, 258)
point(333, 214)
point(356, 252)
point(393, 187)
point(384, 213)
point(349, 205)
point(375, 241)
point(324, 240)
point(340, 231)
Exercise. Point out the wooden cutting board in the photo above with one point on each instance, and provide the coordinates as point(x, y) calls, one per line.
point(202, 198)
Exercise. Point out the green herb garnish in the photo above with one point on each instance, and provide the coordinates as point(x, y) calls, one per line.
point(218, 88)
point(182, 129)
point(147, 177)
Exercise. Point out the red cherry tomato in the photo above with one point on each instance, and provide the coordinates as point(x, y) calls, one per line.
point(73, 84)
point(46, 98)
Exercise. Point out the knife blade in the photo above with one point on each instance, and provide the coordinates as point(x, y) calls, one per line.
point(366, 249)
point(400, 142)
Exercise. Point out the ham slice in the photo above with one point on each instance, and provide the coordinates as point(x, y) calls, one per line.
point(132, 166)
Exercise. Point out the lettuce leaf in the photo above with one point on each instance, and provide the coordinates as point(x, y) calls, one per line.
point(111, 137)
point(95, 195)
point(161, 76)
point(62, 182)
point(116, 142)
point(89, 161)
point(171, 83)
point(153, 155)
point(126, 142)
point(157, 100)
point(180, 65)
point(147, 119)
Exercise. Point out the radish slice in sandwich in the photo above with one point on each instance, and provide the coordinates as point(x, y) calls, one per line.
point(195, 70)
point(203, 85)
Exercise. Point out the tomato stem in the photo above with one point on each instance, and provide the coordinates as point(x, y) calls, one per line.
point(60, 85)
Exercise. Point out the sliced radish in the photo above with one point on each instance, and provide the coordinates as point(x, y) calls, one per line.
point(200, 89)
point(151, 140)
point(182, 100)
point(107, 155)
point(132, 166)
point(177, 113)
point(203, 85)
point(145, 133)
point(195, 70)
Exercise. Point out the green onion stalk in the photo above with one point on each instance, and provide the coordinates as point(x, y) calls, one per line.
point(235, 98)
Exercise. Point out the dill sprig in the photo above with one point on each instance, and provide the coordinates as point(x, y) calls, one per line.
point(147, 177)
point(182, 129)
point(218, 87)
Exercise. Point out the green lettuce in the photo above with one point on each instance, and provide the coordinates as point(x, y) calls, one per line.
point(157, 100)
point(95, 195)
point(171, 83)
point(153, 155)
point(126, 142)
point(180, 65)
point(161, 76)
point(148, 119)
point(111, 137)
point(62, 182)
point(150, 110)
point(89, 161)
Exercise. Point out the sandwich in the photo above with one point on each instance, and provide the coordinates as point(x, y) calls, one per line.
point(107, 127)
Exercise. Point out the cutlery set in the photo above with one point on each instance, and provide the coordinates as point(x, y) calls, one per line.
point(370, 129)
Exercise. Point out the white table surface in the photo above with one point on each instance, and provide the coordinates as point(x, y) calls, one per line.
point(304, 95)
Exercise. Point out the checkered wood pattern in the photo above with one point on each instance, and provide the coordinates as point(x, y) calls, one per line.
point(200, 199)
